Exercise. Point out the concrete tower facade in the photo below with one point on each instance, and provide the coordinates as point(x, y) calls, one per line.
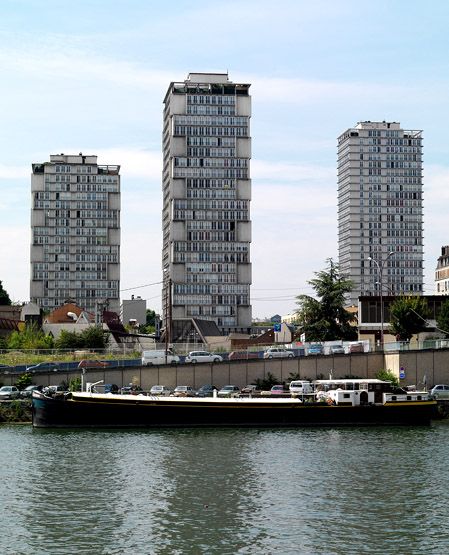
point(206, 201)
point(380, 209)
point(75, 233)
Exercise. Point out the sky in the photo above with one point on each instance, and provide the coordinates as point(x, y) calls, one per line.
point(90, 76)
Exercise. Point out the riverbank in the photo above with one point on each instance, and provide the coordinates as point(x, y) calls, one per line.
point(18, 411)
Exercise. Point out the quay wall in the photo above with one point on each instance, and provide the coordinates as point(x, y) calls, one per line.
point(431, 366)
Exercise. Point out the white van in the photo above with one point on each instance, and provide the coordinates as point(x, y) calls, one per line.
point(300, 387)
point(156, 358)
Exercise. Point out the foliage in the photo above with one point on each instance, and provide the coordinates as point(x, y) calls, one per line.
point(3, 344)
point(15, 411)
point(151, 318)
point(388, 376)
point(408, 316)
point(31, 337)
point(24, 380)
point(325, 318)
point(443, 319)
point(92, 337)
point(75, 384)
point(4, 297)
point(267, 382)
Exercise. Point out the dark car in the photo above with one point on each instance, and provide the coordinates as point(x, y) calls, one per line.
point(28, 391)
point(93, 364)
point(250, 390)
point(111, 388)
point(44, 367)
point(206, 391)
point(242, 355)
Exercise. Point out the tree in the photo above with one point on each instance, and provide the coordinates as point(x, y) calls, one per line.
point(388, 376)
point(4, 297)
point(408, 316)
point(92, 337)
point(325, 318)
point(443, 318)
point(32, 337)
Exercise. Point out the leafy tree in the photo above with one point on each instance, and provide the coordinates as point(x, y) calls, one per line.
point(4, 297)
point(325, 318)
point(267, 382)
point(150, 323)
point(31, 337)
point(24, 380)
point(408, 316)
point(443, 318)
point(68, 340)
point(388, 376)
point(92, 337)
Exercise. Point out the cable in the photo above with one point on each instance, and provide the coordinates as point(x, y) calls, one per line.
point(141, 286)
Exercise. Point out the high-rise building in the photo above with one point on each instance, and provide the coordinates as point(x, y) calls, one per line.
point(75, 233)
point(380, 214)
point(206, 201)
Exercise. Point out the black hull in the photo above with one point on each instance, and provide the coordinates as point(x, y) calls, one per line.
point(116, 412)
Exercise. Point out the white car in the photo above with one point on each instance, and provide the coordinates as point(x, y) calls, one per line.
point(9, 392)
point(440, 391)
point(183, 391)
point(160, 390)
point(278, 352)
point(157, 358)
point(202, 356)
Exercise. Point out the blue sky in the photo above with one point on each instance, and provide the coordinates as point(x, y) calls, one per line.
point(91, 76)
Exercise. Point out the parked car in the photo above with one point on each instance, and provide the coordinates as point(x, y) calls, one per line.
point(9, 392)
point(440, 391)
point(183, 391)
point(206, 391)
point(28, 391)
point(202, 356)
point(110, 388)
point(279, 390)
point(229, 391)
point(43, 367)
point(242, 355)
point(315, 349)
point(250, 389)
point(336, 350)
point(300, 387)
point(278, 352)
point(93, 363)
point(356, 347)
point(160, 390)
point(157, 358)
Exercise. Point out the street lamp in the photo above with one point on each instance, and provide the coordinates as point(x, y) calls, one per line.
point(380, 270)
point(167, 310)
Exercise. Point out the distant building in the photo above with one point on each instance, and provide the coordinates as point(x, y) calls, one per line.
point(442, 273)
point(75, 233)
point(206, 202)
point(380, 214)
point(134, 310)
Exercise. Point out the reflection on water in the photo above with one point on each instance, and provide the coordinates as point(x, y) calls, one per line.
point(324, 491)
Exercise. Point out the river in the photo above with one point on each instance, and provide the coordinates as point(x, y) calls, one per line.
point(225, 491)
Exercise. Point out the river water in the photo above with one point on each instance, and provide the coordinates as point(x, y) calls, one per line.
point(225, 491)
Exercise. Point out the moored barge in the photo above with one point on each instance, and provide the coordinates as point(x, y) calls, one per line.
point(333, 403)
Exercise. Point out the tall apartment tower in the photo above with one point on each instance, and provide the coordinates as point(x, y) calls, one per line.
point(380, 213)
point(206, 202)
point(75, 233)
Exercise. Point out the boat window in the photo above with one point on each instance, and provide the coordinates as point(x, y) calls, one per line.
point(347, 395)
point(409, 397)
point(393, 398)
